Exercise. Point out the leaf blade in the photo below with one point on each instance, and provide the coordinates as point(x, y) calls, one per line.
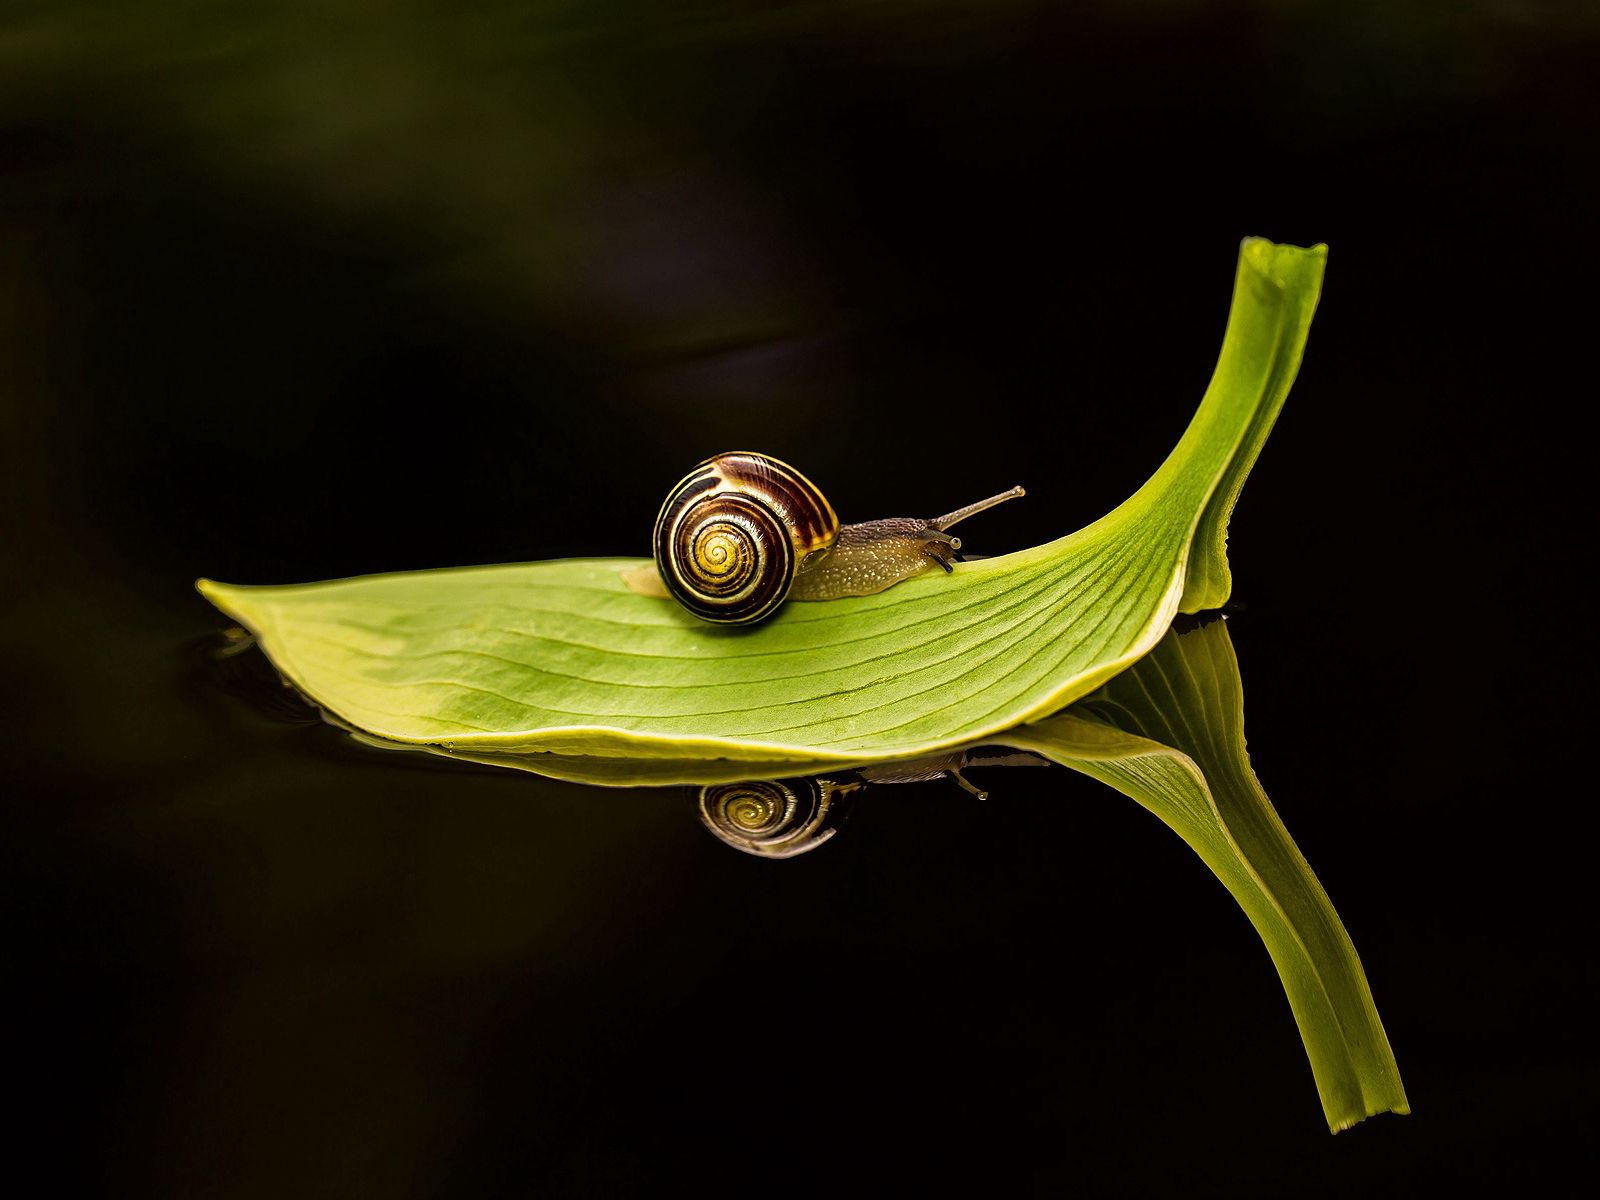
point(561, 657)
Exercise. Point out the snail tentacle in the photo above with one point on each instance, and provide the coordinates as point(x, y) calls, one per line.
point(971, 510)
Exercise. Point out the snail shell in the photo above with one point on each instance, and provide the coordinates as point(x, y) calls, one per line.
point(734, 532)
point(774, 818)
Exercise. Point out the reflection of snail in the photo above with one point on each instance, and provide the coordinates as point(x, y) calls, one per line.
point(775, 818)
point(742, 532)
point(780, 818)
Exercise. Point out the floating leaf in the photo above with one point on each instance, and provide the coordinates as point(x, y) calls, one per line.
point(561, 656)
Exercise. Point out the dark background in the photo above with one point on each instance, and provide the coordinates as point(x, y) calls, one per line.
point(348, 287)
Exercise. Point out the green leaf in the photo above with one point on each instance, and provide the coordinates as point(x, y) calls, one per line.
point(561, 656)
point(1170, 734)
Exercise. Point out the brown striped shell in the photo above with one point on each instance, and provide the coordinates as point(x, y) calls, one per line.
point(733, 534)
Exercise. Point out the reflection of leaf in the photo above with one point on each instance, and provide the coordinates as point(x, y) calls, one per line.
point(1170, 734)
point(560, 656)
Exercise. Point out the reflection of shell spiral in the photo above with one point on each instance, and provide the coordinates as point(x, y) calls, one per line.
point(731, 536)
point(775, 818)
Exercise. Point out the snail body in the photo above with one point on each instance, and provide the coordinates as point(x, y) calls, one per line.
point(743, 532)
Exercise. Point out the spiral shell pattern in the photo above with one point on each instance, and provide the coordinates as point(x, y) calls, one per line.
point(731, 536)
point(774, 818)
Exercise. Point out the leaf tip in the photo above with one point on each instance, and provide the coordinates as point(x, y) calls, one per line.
point(212, 590)
point(1400, 1109)
point(221, 596)
point(1388, 1096)
point(1276, 260)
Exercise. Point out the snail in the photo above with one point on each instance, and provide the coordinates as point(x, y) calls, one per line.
point(743, 532)
point(781, 818)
